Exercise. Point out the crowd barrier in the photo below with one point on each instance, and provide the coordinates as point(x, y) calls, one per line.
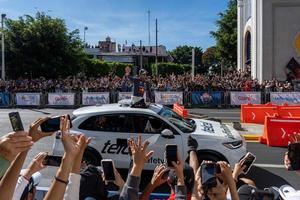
point(277, 130)
point(189, 99)
point(256, 113)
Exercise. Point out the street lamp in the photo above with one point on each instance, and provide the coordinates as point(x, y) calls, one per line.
point(3, 54)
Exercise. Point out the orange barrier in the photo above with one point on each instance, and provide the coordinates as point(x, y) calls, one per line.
point(278, 129)
point(256, 113)
point(289, 111)
point(180, 110)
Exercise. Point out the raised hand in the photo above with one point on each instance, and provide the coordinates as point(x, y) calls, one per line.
point(139, 155)
point(178, 168)
point(34, 131)
point(14, 143)
point(158, 177)
point(35, 165)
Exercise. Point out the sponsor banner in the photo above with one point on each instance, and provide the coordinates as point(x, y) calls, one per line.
point(206, 98)
point(28, 99)
point(95, 98)
point(4, 99)
point(168, 98)
point(239, 98)
point(61, 99)
point(285, 97)
point(127, 95)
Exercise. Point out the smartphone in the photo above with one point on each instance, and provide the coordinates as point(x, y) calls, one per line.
point(208, 174)
point(249, 159)
point(171, 154)
point(294, 156)
point(53, 124)
point(16, 121)
point(108, 170)
point(52, 160)
point(166, 174)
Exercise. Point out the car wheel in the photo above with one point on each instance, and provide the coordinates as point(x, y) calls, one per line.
point(92, 157)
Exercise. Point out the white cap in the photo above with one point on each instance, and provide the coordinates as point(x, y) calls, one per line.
point(287, 192)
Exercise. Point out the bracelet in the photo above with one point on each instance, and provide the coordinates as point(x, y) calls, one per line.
point(62, 181)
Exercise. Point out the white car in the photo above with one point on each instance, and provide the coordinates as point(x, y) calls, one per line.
point(111, 125)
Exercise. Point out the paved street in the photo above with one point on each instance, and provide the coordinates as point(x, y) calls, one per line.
point(268, 170)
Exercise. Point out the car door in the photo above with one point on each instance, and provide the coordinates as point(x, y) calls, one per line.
point(109, 133)
point(150, 128)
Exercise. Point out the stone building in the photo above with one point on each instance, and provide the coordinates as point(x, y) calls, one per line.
point(269, 38)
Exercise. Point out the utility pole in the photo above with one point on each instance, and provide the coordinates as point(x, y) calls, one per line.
point(3, 49)
point(84, 32)
point(156, 47)
point(193, 63)
point(149, 40)
point(141, 55)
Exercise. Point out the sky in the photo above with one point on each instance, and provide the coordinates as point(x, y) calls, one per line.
point(180, 22)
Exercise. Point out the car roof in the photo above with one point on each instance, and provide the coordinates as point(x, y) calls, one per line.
point(117, 108)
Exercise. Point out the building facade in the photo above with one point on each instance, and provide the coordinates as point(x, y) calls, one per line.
point(269, 38)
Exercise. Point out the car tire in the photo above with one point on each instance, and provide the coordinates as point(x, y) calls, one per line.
point(92, 157)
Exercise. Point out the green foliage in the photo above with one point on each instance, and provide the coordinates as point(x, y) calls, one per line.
point(183, 55)
point(169, 68)
point(96, 67)
point(42, 46)
point(226, 35)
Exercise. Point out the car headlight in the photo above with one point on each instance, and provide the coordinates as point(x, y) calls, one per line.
point(233, 145)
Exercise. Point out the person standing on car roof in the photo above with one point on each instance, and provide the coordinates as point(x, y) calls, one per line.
point(140, 85)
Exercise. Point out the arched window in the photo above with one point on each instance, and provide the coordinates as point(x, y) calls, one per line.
point(248, 48)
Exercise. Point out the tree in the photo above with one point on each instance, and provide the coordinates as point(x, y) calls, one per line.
point(42, 46)
point(183, 55)
point(209, 58)
point(226, 35)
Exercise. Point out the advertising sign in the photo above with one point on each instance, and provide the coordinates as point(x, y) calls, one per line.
point(28, 99)
point(168, 98)
point(95, 98)
point(239, 98)
point(206, 98)
point(279, 98)
point(61, 99)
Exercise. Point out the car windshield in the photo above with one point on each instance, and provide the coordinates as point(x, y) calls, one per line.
point(186, 126)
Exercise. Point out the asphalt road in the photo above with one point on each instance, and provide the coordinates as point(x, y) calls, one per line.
point(269, 170)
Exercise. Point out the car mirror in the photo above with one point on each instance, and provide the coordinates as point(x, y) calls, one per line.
point(166, 133)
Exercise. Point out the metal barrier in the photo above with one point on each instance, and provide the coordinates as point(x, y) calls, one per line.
point(199, 99)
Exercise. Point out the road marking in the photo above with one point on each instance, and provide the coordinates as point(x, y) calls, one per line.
point(224, 112)
point(270, 166)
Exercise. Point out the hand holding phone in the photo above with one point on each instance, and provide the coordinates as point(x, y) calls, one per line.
point(248, 161)
point(53, 124)
point(16, 121)
point(52, 160)
point(171, 154)
point(209, 174)
point(108, 170)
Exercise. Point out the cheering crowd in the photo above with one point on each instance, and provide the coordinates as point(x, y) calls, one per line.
point(231, 81)
point(78, 180)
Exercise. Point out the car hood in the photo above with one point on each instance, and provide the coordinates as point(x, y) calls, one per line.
point(215, 129)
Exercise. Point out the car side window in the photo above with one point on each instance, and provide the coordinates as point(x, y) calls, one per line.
point(148, 124)
point(107, 123)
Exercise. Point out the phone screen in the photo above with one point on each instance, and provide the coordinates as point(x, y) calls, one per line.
point(53, 124)
point(171, 154)
point(52, 160)
point(108, 170)
point(208, 174)
point(249, 160)
point(16, 121)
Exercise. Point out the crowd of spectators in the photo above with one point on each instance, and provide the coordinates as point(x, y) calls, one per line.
point(75, 180)
point(230, 81)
